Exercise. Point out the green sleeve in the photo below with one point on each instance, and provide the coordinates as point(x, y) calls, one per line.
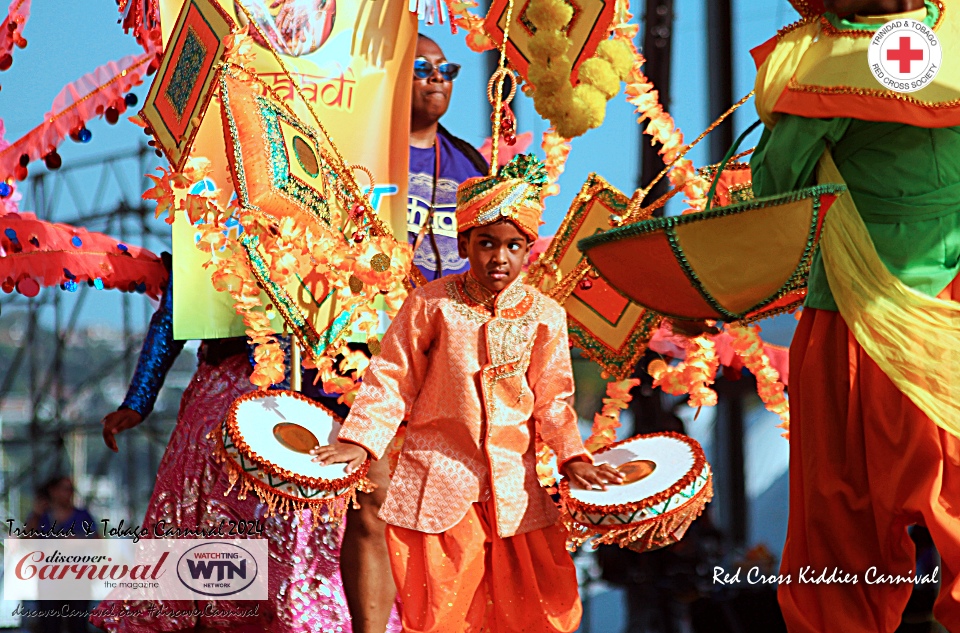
point(786, 156)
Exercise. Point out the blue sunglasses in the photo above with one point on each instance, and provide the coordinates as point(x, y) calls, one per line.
point(423, 69)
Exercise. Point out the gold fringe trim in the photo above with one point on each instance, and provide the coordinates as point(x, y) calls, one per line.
point(328, 510)
point(661, 531)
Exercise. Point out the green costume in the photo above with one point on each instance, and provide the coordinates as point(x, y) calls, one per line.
point(913, 219)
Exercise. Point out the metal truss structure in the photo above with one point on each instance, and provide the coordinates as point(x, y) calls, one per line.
point(66, 357)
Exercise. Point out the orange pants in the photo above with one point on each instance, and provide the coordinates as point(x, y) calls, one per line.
point(865, 464)
point(469, 579)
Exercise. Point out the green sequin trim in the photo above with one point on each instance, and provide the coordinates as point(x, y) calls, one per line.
point(281, 179)
point(186, 72)
point(618, 363)
point(315, 342)
point(843, 24)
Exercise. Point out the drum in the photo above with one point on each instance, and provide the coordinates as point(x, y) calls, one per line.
point(741, 262)
point(267, 439)
point(667, 484)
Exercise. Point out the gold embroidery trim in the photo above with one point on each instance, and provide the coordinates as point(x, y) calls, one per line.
point(796, 86)
point(460, 303)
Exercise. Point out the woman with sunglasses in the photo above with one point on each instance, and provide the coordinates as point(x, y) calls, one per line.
point(439, 162)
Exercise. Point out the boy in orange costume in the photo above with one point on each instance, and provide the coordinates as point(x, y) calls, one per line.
point(478, 364)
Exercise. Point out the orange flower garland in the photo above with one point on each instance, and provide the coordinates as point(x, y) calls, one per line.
point(287, 248)
point(231, 271)
point(661, 127)
point(697, 372)
point(606, 423)
point(240, 49)
point(460, 16)
point(692, 376)
point(546, 472)
point(556, 148)
point(749, 347)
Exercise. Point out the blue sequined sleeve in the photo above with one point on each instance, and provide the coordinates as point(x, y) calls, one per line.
point(156, 357)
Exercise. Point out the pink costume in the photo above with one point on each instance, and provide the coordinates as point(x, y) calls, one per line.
point(305, 591)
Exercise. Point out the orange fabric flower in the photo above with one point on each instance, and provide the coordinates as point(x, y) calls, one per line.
point(693, 376)
point(749, 346)
point(606, 423)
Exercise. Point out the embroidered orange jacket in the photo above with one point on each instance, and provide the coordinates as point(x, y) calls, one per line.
point(475, 388)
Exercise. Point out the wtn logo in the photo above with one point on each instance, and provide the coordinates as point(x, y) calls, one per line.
point(217, 569)
point(225, 569)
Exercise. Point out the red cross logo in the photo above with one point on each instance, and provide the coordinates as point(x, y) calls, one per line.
point(905, 54)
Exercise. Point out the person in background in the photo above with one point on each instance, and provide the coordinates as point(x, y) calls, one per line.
point(62, 517)
point(61, 514)
point(439, 162)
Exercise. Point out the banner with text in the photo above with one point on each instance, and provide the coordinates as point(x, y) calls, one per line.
point(354, 64)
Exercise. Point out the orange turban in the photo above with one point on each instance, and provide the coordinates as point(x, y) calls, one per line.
point(513, 194)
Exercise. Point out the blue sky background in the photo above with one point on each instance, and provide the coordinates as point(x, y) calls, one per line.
point(66, 40)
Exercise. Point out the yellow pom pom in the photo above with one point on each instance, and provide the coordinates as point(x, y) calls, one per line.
point(593, 103)
point(571, 123)
point(551, 104)
point(546, 106)
point(551, 15)
point(599, 73)
point(548, 79)
point(561, 64)
point(619, 54)
point(548, 45)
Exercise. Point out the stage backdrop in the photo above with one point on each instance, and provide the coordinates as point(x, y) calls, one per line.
point(354, 62)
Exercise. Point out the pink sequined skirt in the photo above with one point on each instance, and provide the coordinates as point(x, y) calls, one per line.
point(306, 593)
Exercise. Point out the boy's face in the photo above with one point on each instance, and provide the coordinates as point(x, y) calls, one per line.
point(496, 252)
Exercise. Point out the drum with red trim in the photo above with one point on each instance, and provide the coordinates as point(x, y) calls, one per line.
point(667, 484)
point(267, 439)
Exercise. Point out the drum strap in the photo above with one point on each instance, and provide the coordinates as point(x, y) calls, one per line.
point(428, 223)
point(914, 338)
point(723, 164)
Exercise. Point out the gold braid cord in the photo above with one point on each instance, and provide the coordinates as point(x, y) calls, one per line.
point(635, 209)
point(495, 92)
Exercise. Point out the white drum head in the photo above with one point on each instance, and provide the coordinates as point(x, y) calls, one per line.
point(672, 460)
point(275, 427)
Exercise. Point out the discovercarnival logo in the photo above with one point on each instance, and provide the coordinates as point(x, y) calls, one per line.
point(153, 569)
point(217, 569)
